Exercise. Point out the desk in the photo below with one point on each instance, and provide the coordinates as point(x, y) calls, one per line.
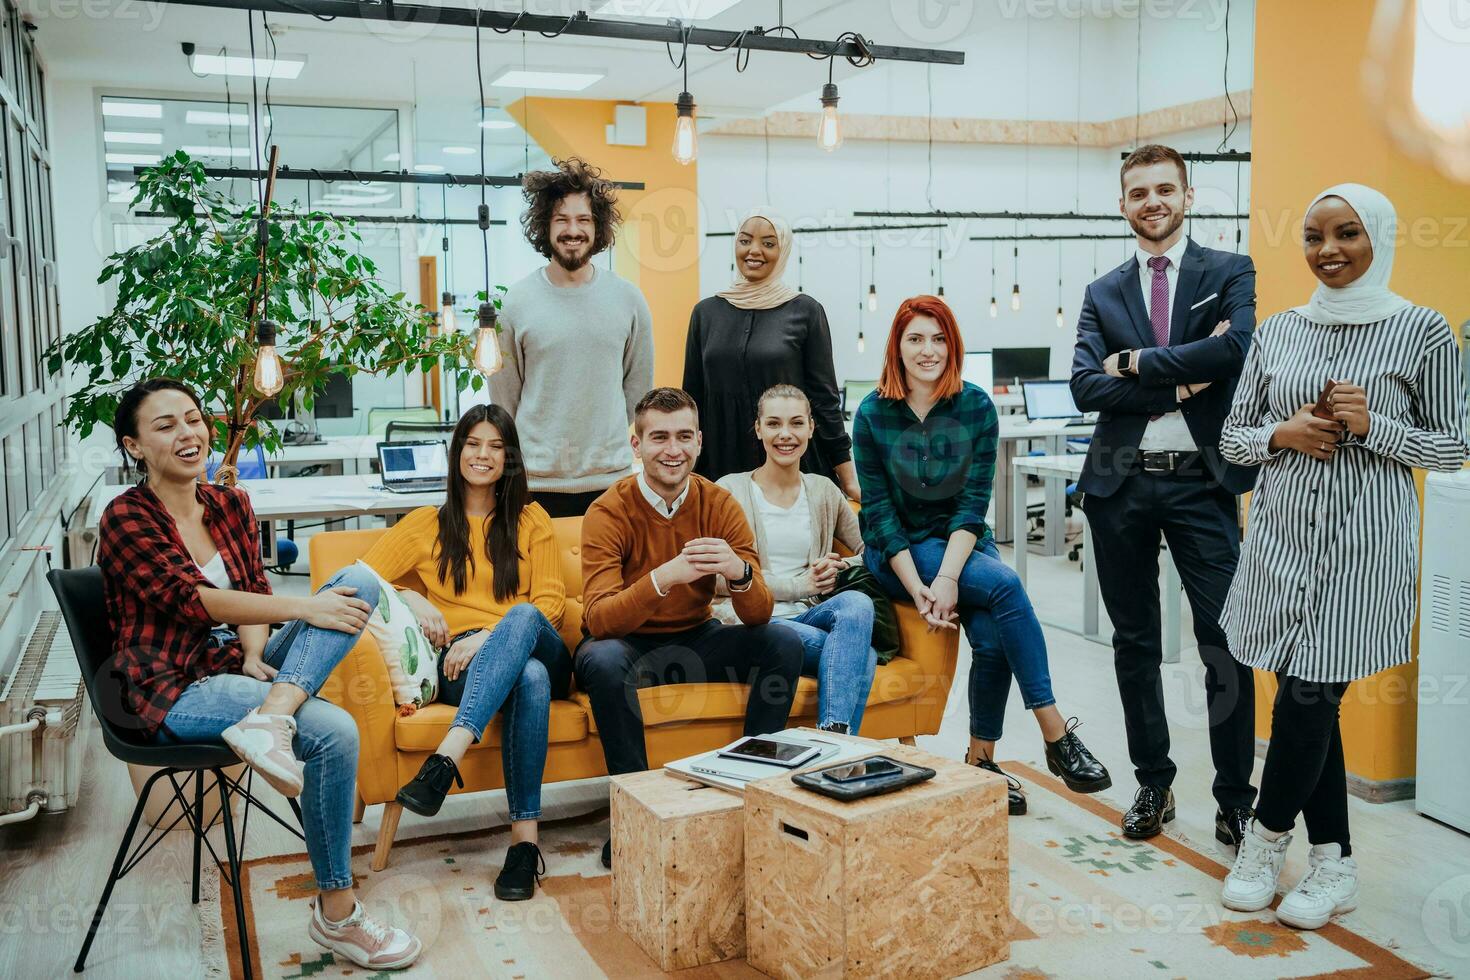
point(1055, 473)
point(322, 498)
point(1015, 430)
point(334, 452)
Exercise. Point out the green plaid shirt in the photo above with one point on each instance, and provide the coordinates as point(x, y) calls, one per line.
point(924, 479)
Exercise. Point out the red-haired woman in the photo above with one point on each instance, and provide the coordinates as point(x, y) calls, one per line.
point(925, 445)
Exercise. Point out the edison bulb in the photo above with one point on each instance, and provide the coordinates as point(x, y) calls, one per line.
point(1016, 297)
point(994, 308)
point(1061, 320)
point(686, 141)
point(872, 299)
point(862, 344)
point(488, 358)
point(268, 374)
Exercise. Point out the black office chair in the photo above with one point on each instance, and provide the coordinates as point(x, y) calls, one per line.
point(79, 593)
point(399, 431)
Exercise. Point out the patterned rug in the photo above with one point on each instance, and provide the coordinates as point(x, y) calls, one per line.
point(1084, 902)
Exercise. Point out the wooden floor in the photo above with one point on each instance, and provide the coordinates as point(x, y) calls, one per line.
point(52, 869)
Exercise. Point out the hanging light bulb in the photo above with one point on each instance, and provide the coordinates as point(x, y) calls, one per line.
point(1016, 296)
point(829, 129)
point(873, 280)
point(488, 358)
point(1016, 267)
point(269, 376)
point(1061, 320)
point(447, 322)
point(994, 308)
point(686, 141)
point(872, 298)
point(862, 344)
point(941, 273)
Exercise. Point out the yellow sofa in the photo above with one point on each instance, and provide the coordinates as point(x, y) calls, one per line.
point(907, 699)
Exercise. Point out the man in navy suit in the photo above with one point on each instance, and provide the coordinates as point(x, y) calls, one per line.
point(1160, 344)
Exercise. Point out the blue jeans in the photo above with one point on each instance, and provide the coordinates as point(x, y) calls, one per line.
point(836, 637)
point(326, 736)
point(517, 668)
point(1005, 638)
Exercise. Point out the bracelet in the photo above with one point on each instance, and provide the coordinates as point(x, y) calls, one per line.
point(950, 577)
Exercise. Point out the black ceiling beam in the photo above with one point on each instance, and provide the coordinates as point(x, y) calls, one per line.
point(1014, 215)
point(580, 24)
point(370, 219)
point(380, 176)
point(820, 231)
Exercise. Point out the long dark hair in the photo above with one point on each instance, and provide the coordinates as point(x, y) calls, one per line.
point(501, 532)
point(125, 417)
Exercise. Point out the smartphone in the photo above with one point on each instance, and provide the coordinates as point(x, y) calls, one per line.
point(865, 769)
point(1323, 409)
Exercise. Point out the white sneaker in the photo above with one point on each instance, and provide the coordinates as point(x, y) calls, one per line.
point(1330, 887)
point(365, 941)
point(1251, 884)
point(263, 742)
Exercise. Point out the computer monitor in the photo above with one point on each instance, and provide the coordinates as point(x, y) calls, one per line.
point(1016, 364)
point(853, 393)
point(332, 402)
point(978, 369)
point(1049, 400)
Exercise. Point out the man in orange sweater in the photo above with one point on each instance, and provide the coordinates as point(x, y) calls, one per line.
point(653, 546)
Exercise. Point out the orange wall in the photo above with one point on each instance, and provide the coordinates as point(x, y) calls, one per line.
point(658, 247)
point(1311, 127)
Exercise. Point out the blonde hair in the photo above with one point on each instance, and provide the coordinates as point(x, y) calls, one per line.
point(781, 391)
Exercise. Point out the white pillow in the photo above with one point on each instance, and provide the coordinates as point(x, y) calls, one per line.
point(412, 661)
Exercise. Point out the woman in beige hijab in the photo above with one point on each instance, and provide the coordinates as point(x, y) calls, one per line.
point(755, 334)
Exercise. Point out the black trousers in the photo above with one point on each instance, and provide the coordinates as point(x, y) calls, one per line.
point(566, 504)
point(1305, 772)
point(1198, 520)
point(767, 657)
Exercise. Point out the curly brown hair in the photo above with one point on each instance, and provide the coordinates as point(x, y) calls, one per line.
point(544, 188)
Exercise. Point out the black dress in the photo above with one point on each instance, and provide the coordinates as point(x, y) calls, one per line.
point(732, 356)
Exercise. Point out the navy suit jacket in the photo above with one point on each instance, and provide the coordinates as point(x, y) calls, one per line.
point(1212, 286)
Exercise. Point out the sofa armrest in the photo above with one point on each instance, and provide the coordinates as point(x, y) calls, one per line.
point(937, 655)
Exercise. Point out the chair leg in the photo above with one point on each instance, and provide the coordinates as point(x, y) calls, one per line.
point(358, 809)
point(117, 863)
point(198, 828)
point(391, 813)
point(234, 861)
point(905, 740)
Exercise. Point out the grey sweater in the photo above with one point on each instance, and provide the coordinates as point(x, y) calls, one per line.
point(577, 359)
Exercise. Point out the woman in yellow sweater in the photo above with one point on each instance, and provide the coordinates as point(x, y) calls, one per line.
point(489, 594)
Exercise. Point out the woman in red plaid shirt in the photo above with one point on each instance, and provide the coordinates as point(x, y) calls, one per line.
point(180, 559)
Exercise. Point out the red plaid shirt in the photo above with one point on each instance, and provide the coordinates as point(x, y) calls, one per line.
point(162, 632)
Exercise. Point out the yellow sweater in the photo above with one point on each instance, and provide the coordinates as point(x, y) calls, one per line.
point(410, 551)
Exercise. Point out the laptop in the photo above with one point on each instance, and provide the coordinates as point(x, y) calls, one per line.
point(414, 467)
point(1052, 400)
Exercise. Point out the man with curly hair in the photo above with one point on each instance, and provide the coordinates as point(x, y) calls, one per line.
point(578, 343)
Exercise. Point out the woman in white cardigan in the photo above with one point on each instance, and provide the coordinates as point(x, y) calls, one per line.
point(795, 517)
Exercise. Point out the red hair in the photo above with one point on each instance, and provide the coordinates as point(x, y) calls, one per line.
point(893, 383)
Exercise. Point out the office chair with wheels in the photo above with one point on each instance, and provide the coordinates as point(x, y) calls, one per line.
point(378, 419)
point(401, 431)
point(79, 593)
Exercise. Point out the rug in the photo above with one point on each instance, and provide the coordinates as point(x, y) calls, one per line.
point(1084, 902)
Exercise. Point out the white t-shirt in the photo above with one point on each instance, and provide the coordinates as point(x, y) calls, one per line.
point(788, 539)
point(217, 574)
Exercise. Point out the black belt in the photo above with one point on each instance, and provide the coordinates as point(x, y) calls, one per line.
point(1170, 461)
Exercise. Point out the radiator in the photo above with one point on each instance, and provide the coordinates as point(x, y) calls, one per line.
point(44, 725)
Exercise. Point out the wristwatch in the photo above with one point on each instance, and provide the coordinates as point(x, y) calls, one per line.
point(745, 579)
point(1128, 362)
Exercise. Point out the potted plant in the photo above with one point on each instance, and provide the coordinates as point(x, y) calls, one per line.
point(190, 303)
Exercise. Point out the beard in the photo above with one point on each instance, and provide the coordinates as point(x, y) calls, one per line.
point(1141, 229)
point(572, 257)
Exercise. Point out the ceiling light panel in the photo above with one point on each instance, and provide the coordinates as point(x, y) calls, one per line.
point(132, 110)
point(203, 117)
point(281, 66)
point(547, 79)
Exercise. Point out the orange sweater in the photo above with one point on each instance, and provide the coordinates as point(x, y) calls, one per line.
point(624, 539)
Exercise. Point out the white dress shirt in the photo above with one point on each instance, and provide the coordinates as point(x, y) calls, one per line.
point(657, 502)
point(1168, 431)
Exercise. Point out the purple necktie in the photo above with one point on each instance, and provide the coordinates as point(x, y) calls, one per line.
point(1158, 304)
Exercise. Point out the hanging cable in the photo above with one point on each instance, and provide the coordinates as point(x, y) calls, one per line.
point(929, 121)
point(484, 211)
point(255, 111)
point(270, 117)
point(1227, 131)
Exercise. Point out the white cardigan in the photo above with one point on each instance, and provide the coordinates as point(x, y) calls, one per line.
point(832, 518)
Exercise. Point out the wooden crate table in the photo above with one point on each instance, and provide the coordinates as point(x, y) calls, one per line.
point(910, 884)
point(678, 880)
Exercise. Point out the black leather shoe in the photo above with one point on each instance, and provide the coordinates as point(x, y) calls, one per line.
point(1068, 757)
point(607, 855)
point(1015, 799)
point(1153, 806)
point(425, 793)
point(524, 866)
point(835, 727)
point(1231, 824)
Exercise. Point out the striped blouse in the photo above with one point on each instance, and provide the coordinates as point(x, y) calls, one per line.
point(1325, 590)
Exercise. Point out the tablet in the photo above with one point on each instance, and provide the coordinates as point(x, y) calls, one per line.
point(770, 751)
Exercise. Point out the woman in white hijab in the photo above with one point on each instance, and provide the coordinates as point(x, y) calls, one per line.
point(1325, 590)
point(754, 335)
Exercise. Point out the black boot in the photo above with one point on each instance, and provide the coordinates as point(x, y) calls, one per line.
point(1015, 799)
point(1068, 757)
point(524, 866)
point(425, 793)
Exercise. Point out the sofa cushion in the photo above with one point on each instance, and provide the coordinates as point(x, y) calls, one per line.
point(670, 703)
point(423, 730)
